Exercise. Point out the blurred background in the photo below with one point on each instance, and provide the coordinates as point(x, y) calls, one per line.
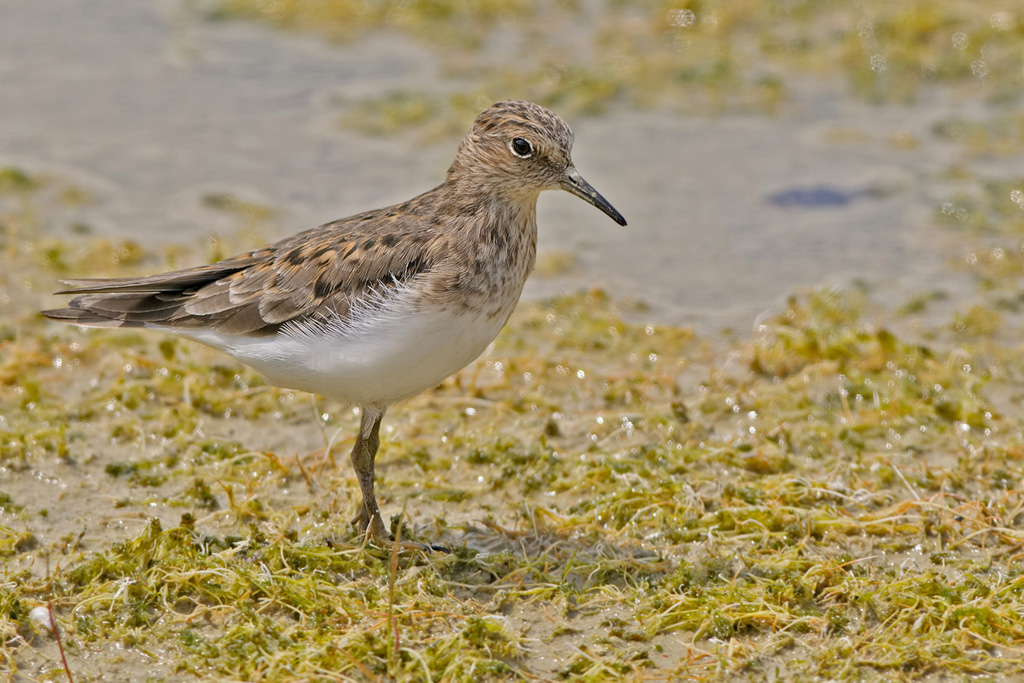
point(755, 146)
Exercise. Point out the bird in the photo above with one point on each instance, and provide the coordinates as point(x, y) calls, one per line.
point(372, 309)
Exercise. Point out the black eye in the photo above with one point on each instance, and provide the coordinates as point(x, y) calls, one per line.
point(521, 148)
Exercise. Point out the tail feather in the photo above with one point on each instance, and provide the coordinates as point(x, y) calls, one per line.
point(139, 302)
point(142, 306)
point(77, 316)
point(175, 281)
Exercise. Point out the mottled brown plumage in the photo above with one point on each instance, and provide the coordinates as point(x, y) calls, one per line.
point(377, 307)
point(322, 269)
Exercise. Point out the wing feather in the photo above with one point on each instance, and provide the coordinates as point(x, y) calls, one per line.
point(316, 272)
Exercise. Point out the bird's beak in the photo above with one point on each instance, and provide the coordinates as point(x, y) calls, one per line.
point(573, 182)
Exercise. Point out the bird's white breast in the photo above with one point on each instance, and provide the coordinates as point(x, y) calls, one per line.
point(388, 349)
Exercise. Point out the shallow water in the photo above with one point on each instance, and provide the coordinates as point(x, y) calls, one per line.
point(150, 109)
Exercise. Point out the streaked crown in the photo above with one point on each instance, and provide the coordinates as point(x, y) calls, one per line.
point(515, 146)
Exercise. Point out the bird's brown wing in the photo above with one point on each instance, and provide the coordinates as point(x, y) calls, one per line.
point(321, 270)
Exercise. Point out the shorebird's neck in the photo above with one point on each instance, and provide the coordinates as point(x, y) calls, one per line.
point(484, 204)
point(497, 243)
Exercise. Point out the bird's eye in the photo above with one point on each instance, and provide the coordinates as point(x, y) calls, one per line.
point(521, 148)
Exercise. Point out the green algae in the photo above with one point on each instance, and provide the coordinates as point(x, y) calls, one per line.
point(842, 491)
point(443, 22)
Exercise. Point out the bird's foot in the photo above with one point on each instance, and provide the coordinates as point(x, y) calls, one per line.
point(376, 532)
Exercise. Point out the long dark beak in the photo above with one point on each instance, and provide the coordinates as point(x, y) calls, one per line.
point(573, 182)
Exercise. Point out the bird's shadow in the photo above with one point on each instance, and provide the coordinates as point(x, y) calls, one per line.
point(485, 554)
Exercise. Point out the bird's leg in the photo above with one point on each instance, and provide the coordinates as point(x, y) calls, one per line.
point(363, 454)
point(369, 521)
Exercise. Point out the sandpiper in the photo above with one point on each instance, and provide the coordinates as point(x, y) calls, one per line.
point(375, 308)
